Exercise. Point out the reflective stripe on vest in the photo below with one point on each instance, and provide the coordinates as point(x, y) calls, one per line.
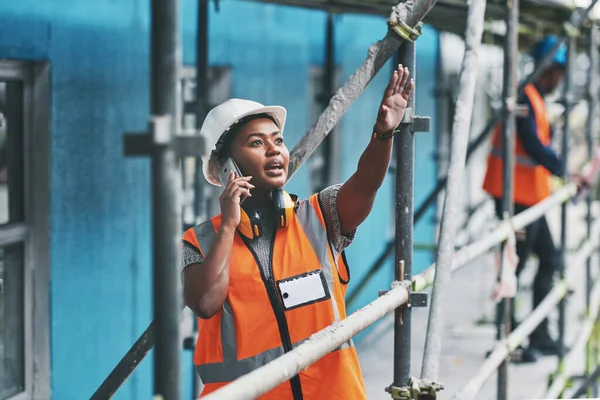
point(206, 236)
point(231, 368)
point(519, 159)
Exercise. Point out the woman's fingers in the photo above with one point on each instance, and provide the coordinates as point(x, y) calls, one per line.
point(391, 87)
point(240, 193)
point(408, 88)
point(238, 185)
point(402, 82)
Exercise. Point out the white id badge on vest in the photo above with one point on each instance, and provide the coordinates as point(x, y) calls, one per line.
point(304, 289)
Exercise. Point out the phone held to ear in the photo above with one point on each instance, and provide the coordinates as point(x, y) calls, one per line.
point(225, 169)
point(250, 224)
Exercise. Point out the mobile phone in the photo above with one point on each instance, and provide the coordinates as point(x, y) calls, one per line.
point(224, 171)
point(226, 168)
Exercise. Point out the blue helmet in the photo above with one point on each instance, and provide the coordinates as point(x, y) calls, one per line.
point(543, 47)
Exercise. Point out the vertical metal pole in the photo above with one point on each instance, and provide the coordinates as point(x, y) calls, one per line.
point(591, 119)
point(201, 95)
point(563, 218)
point(330, 161)
point(449, 224)
point(509, 95)
point(404, 227)
point(201, 111)
point(166, 222)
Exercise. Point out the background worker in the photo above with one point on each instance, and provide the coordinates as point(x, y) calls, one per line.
point(535, 162)
point(265, 274)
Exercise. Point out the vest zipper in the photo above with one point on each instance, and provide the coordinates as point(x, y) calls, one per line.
point(279, 311)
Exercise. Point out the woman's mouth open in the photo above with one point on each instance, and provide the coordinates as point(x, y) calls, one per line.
point(274, 169)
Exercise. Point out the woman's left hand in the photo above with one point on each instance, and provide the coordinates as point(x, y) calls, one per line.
point(393, 105)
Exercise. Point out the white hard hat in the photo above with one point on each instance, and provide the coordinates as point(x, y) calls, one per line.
point(222, 117)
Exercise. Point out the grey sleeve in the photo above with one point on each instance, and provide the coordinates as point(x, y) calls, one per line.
point(328, 200)
point(190, 255)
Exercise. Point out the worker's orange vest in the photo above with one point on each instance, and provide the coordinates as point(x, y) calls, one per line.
point(531, 180)
point(260, 320)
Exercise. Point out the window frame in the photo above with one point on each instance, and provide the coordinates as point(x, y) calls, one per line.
point(34, 230)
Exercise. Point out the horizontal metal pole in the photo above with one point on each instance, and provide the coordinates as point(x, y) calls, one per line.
point(497, 235)
point(12, 233)
point(504, 347)
point(560, 381)
point(141, 144)
point(470, 252)
point(269, 376)
point(330, 338)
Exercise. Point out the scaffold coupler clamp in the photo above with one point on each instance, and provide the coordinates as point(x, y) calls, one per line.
point(571, 26)
point(404, 31)
point(417, 123)
point(416, 389)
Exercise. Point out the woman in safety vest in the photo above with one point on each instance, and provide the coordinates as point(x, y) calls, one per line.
point(269, 271)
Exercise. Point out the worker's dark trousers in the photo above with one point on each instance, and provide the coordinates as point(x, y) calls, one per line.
point(539, 239)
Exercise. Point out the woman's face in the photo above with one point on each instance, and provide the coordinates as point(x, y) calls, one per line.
point(259, 151)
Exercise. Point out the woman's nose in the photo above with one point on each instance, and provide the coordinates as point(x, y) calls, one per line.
point(273, 150)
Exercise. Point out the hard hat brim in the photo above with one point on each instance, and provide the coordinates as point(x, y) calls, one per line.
point(278, 113)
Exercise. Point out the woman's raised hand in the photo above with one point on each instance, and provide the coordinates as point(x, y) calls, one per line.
point(395, 98)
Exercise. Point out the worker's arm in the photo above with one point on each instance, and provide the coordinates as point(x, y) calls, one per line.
point(541, 154)
point(205, 284)
point(357, 195)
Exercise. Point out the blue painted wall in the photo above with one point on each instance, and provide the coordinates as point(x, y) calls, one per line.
point(100, 201)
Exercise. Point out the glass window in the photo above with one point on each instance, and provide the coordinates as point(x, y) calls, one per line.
point(12, 321)
point(11, 152)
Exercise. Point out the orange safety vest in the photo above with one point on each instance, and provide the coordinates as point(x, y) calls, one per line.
point(264, 318)
point(531, 180)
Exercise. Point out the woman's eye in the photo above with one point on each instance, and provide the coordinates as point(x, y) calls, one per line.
point(279, 140)
point(256, 143)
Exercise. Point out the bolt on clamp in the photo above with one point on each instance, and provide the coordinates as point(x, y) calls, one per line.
point(416, 389)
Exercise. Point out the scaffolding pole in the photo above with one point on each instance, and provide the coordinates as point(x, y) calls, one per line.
point(166, 222)
point(561, 380)
point(509, 97)
point(568, 104)
point(580, 393)
point(590, 362)
point(449, 224)
point(577, 18)
point(472, 251)
point(405, 150)
point(331, 144)
point(201, 99)
point(266, 377)
point(409, 13)
point(503, 348)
